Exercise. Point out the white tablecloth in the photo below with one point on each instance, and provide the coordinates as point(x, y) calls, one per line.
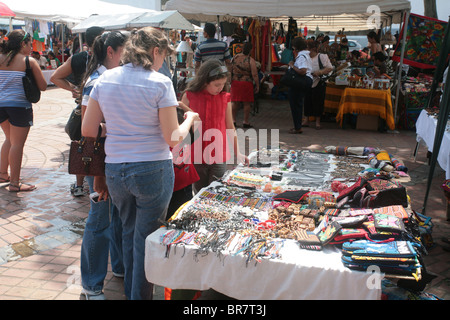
point(47, 74)
point(426, 130)
point(300, 274)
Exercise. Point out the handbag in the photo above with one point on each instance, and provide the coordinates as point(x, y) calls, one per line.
point(32, 92)
point(293, 80)
point(322, 79)
point(87, 156)
point(73, 125)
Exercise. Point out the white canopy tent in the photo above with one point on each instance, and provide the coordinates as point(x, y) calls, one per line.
point(161, 19)
point(68, 12)
point(327, 15)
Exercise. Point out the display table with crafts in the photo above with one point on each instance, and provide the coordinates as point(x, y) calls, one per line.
point(367, 102)
point(287, 227)
point(426, 131)
point(299, 274)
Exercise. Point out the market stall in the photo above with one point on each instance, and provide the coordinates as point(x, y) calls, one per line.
point(272, 25)
point(423, 38)
point(294, 224)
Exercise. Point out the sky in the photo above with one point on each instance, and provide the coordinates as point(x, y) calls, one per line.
point(443, 8)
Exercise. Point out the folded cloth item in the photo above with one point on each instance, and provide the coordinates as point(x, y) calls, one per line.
point(294, 196)
point(392, 249)
point(397, 211)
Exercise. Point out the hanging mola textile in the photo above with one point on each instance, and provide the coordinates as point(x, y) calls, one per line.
point(424, 37)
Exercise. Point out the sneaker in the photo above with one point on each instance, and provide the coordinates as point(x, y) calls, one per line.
point(89, 296)
point(118, 275)
point(78, 191)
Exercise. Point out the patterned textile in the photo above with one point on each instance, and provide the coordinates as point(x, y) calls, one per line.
point(424, 38)
point(368, 102)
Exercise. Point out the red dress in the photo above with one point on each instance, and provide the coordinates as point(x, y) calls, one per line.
point(212, 146)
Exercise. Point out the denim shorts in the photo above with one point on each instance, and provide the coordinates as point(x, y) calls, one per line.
point(17, 116)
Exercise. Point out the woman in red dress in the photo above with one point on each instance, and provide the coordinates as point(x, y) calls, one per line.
point(244, 83)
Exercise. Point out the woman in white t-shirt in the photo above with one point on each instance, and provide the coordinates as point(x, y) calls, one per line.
point(315, 98)
point(139, 107)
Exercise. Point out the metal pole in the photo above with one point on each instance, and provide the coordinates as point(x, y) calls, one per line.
point(400, 67)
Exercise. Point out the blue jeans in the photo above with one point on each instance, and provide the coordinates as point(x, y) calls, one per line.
point(102, 236)
point(141, 191)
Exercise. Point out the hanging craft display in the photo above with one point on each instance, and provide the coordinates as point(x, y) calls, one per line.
point(424, 37)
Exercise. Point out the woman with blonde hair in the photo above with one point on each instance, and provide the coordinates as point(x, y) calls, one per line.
point(16, 112)
point(138, 105)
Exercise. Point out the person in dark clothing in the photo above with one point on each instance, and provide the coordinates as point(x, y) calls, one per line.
point(74, 69)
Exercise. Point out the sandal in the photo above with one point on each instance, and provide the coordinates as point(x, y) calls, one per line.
point(295, 131)
point(21, 187)
point(3, 180)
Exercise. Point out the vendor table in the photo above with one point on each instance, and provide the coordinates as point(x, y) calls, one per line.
point(426, 130)
point(47, 75)
point(333, 97)
point(295, 274)
point(300, 274)
point(368, 102)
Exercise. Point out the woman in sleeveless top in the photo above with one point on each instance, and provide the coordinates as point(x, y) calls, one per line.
point(244, 82)
point(16, 113)
point(374, 43)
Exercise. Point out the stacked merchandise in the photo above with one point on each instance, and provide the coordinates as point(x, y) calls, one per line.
point(416, 92)
point(302, 197)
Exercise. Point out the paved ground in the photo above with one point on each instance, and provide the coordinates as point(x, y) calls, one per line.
point(40, 231)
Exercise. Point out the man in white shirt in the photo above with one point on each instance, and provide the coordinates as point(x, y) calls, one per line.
point(40, 59)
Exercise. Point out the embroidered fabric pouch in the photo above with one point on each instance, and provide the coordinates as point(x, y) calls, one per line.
point(386, 222)
point(346, 234)
point(327, 234)
point(397, 211)
point(308, 240)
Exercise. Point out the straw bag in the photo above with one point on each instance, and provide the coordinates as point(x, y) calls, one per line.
point(87, 156)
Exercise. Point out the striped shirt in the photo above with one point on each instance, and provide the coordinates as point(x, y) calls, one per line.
point(130, 98)
point(90, 84)
point(11, 89)
point(212, 49)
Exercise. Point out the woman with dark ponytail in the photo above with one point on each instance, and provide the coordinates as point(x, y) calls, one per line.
point(103, 231)
point(16, 113)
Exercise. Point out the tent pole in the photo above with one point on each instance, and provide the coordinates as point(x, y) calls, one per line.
point(400, 67)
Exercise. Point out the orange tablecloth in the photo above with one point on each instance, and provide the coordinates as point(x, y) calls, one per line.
point(333, 97)
point(367, 101)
